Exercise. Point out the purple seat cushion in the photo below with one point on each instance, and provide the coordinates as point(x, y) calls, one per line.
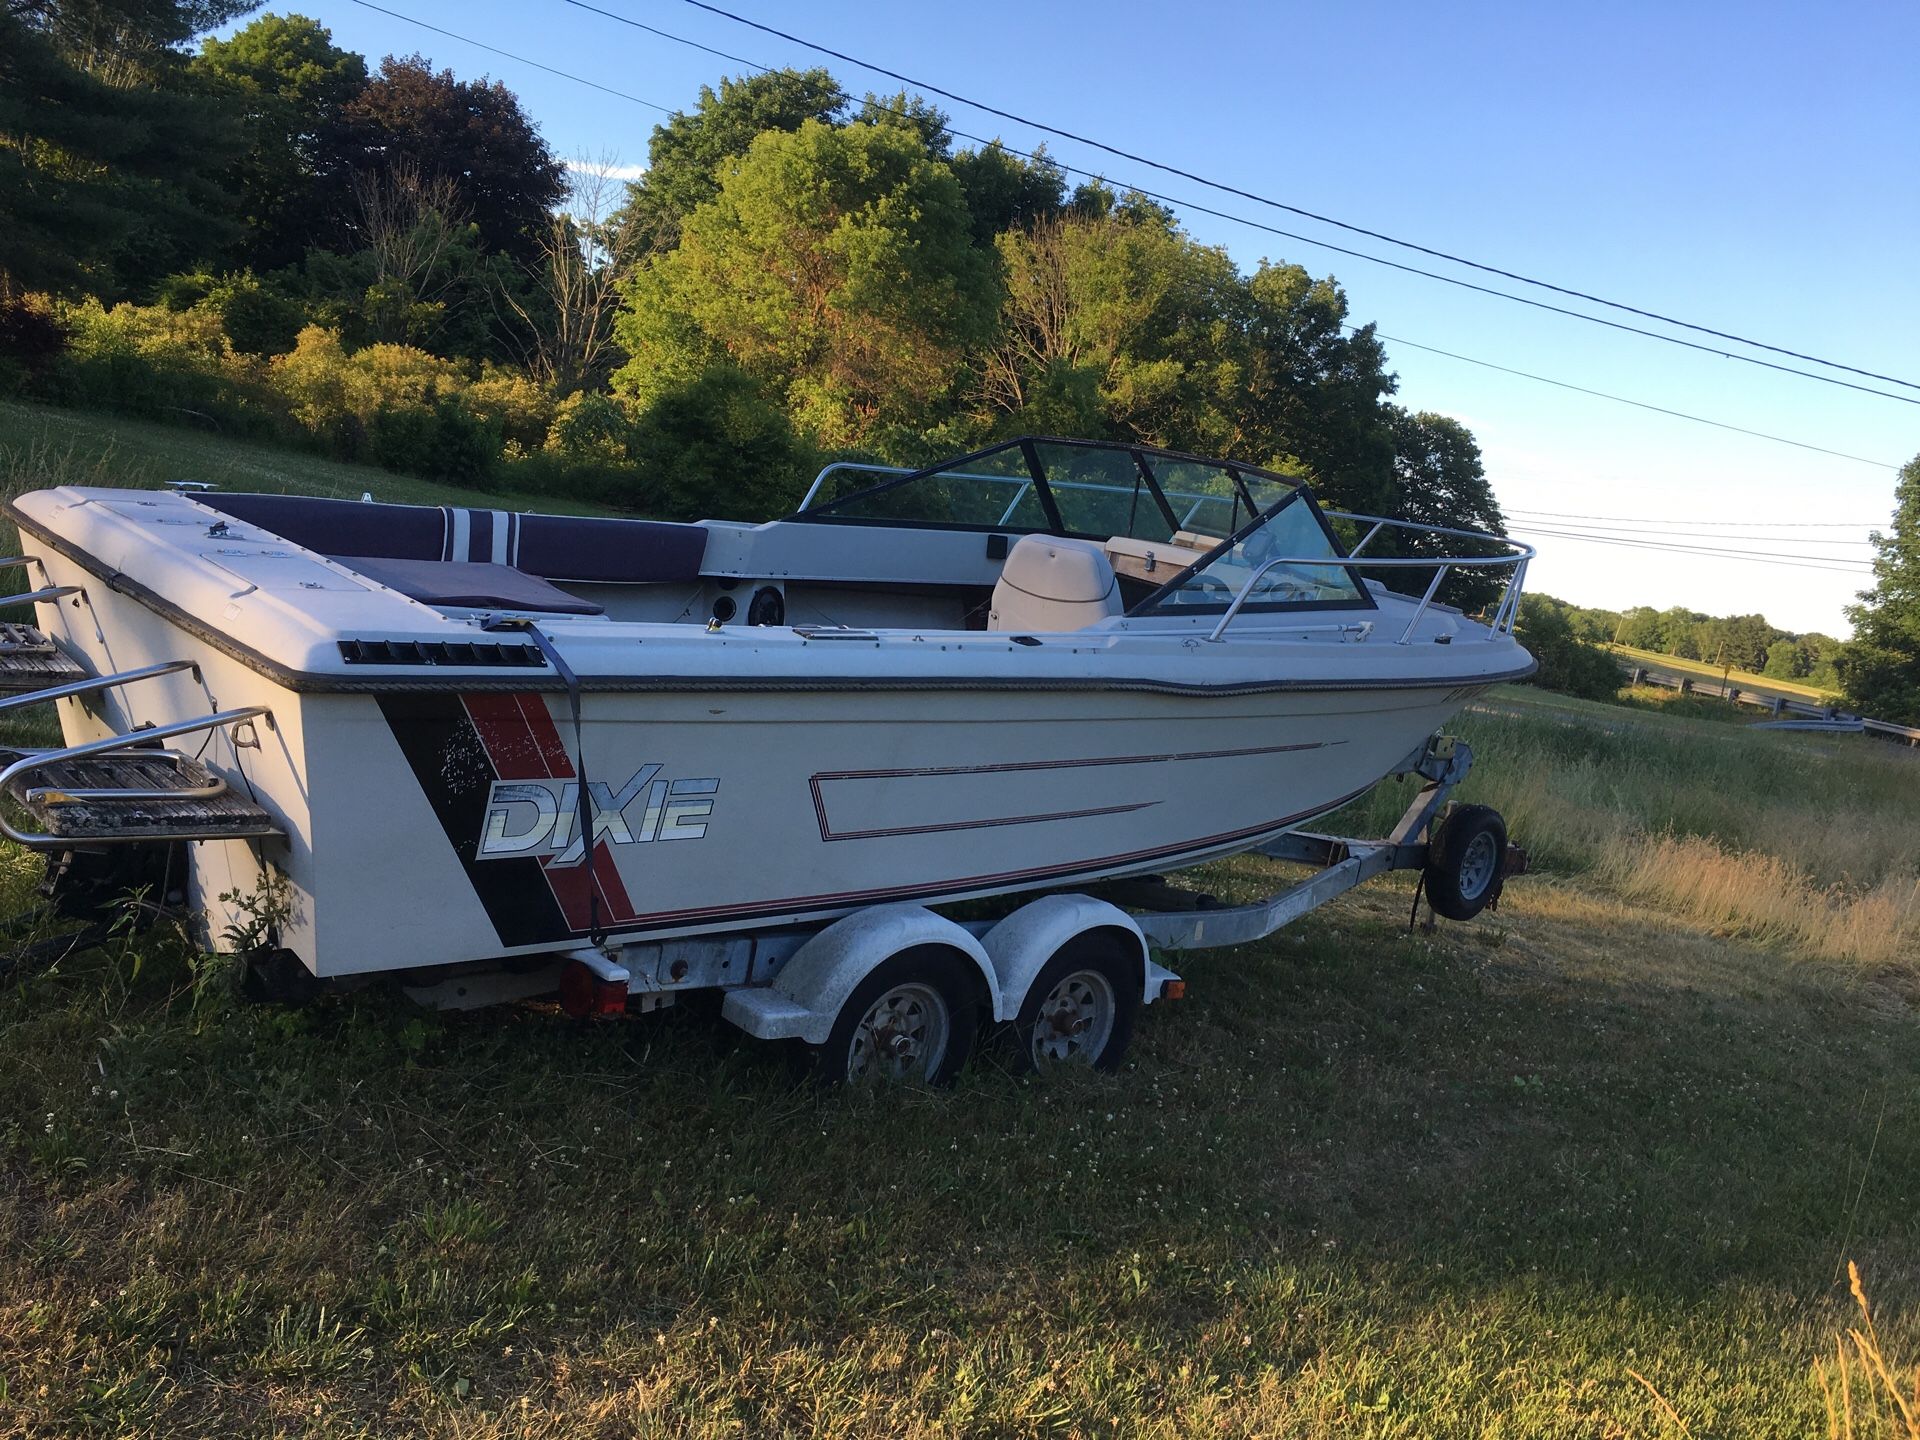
point(480, 586)
point(560, 547)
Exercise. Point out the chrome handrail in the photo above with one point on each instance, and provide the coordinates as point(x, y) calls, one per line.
point(1519, 553)
point(97, 682)
point(108, 745)
point(34, 597)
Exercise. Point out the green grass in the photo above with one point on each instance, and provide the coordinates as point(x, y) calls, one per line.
point(1363, 1182)
point(1745, 679)
point(40, 445)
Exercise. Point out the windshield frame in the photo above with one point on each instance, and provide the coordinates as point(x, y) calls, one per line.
point(1028, 447)
point(1154, 604)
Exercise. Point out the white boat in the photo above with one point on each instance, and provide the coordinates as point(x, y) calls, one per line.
point(1034, 667)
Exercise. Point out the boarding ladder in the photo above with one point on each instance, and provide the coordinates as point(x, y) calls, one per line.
point(120, 789)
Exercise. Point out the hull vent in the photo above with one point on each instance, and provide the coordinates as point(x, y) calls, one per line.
point(441, 652)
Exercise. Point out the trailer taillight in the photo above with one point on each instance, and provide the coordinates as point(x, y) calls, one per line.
point(1173, 990)
point(583, 993)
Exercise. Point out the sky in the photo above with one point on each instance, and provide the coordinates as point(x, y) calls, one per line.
point(1750, 167)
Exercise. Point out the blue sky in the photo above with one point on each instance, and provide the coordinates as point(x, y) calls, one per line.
point(1745, 166)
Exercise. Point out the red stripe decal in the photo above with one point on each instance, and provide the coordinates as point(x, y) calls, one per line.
point(522, 741)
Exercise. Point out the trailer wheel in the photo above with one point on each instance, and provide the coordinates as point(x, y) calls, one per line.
point(1080, 1008)
point(913, 1019)
point(1463, 862)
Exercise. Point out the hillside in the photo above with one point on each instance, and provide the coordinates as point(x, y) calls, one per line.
point(42, 446)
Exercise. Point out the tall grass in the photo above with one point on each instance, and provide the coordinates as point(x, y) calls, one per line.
point(1866, 1393)
point(1809, 841)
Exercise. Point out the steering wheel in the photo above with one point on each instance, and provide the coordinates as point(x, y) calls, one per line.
point(1211, 586)
point(1260, 546)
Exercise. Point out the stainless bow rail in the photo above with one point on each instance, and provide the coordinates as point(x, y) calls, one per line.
point(1506, 614)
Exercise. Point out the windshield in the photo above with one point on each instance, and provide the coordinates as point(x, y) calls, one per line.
point(1282, 556)
point(1059, 487)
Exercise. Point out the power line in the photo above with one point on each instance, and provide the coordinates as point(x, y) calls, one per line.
point(1238, 219)
point(1196, 206)
point(1297, 210)
point(1696, 537)
point(1637, 404)
point(1828, 563)
point(1718, 524)
point(509, 55)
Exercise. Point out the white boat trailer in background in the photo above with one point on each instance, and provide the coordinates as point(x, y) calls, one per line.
point(872, 992)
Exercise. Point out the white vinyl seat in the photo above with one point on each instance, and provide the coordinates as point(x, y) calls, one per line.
point(1050, 584)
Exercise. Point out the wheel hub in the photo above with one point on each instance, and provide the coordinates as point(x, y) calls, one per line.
point(1075, 1020)
point(903, 1035)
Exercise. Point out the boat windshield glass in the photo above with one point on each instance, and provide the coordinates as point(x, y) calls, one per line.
point(1296, 536)
point(1060, 487)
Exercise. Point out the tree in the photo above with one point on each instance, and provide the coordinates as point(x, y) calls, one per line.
point(109, 148)
point(1315, 391)
point(719, 434)
point(470, 132)
point(1640, 628)
point(412, 223)
point(1006, 191)
point(1436, 464)
point(1786, 660)
point(685, 155)
point(1880, 667)
point(836, 266)
point(1567, 663)
point(586, 252)
point(293, 84)
point(1119, 323)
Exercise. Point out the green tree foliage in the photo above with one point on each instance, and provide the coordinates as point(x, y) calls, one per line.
point(1567, 663)
point(1641, 628)
point(1880, 668)
point(110, 148)
point(686, 154)
point(1786, 660)
point(719, 444)
point(1441, 481)
point(471, 132)
point(1006, 191)
point(1118, 322)
point(836, 267)
point(293, 84)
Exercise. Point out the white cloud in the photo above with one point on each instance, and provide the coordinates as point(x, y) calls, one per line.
point(612, 172)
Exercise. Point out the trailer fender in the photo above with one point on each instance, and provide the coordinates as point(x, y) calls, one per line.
point(806, 995)
point(1023, 942)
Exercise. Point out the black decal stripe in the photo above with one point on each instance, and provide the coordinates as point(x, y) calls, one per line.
point(446, 756)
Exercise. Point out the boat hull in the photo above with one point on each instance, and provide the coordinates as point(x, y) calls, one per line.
point(427, 827)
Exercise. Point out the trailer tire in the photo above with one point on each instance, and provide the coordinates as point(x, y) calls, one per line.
point(924, 997)
point(1465, 860)
point(1080, 1008)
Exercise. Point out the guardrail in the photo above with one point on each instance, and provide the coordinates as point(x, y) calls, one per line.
point(1825, 717)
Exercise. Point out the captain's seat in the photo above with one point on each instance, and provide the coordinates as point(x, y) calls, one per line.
point(1049, 583)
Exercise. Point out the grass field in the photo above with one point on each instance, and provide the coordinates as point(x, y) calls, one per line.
point(1745, 679)
point(1363, 1182)
point(1591, 1166)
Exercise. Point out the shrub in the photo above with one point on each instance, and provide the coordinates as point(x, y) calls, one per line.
point(149, 360)
point(522, 409)
point(30, 339)
point(257, 317)
point(1567, 663)
point(716, 446)
point(592, 427)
